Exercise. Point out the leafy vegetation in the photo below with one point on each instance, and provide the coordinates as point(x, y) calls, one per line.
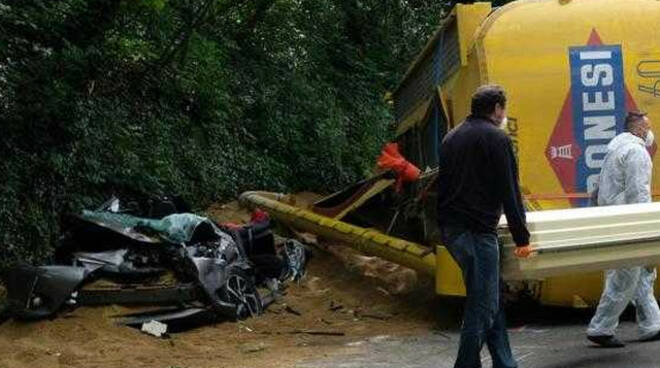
point(206, 98)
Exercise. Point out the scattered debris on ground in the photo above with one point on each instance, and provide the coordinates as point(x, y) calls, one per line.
point(336, 306)
point(89, 337)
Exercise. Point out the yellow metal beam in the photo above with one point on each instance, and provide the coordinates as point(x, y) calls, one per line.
point(371, 242)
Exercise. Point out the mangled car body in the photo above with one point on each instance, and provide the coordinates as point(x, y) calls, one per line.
point(197, 270)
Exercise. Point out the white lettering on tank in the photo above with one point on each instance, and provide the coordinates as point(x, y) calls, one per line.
point(599, 127)
point(595, 55)
point(591, 75)
point(590, 153)
point(598, 104)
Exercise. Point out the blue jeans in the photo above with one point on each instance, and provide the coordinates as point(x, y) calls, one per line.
point(478, 256)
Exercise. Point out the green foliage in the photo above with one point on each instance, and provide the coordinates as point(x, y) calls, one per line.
point(206, 98)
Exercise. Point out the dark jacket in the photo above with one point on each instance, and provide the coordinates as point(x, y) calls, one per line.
point(478, 177)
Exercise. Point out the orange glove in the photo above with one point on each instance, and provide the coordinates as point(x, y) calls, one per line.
point(390, 158)
point(525, 251)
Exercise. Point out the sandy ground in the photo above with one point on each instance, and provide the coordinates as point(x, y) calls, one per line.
point(333, 298)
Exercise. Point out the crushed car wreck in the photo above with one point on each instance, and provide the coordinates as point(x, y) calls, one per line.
point(198, 271)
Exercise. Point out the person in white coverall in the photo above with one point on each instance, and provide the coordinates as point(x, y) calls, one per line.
point(626, 178)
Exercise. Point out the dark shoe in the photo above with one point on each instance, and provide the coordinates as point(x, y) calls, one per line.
point(606, 341)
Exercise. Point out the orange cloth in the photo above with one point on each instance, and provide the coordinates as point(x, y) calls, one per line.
point(391, 159)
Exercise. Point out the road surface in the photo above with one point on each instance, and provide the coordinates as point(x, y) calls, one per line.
point(553, 340)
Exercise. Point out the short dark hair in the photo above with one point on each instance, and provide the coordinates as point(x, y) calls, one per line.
point(485, 98)
point(633, 117)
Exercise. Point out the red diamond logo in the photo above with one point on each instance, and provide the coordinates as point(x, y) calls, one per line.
point(564, 151)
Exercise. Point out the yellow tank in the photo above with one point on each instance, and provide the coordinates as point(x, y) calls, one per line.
point(571, 70)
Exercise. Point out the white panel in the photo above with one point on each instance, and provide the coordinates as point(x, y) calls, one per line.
point(586, 239)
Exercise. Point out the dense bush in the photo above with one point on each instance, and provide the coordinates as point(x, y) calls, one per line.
point(206, 98)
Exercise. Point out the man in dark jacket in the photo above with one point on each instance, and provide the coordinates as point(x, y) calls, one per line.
point(478, 178)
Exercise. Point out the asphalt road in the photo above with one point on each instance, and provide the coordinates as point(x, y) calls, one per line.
point(551, 339)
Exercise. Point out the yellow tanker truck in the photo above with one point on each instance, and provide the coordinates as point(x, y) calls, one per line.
point(571, 70)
